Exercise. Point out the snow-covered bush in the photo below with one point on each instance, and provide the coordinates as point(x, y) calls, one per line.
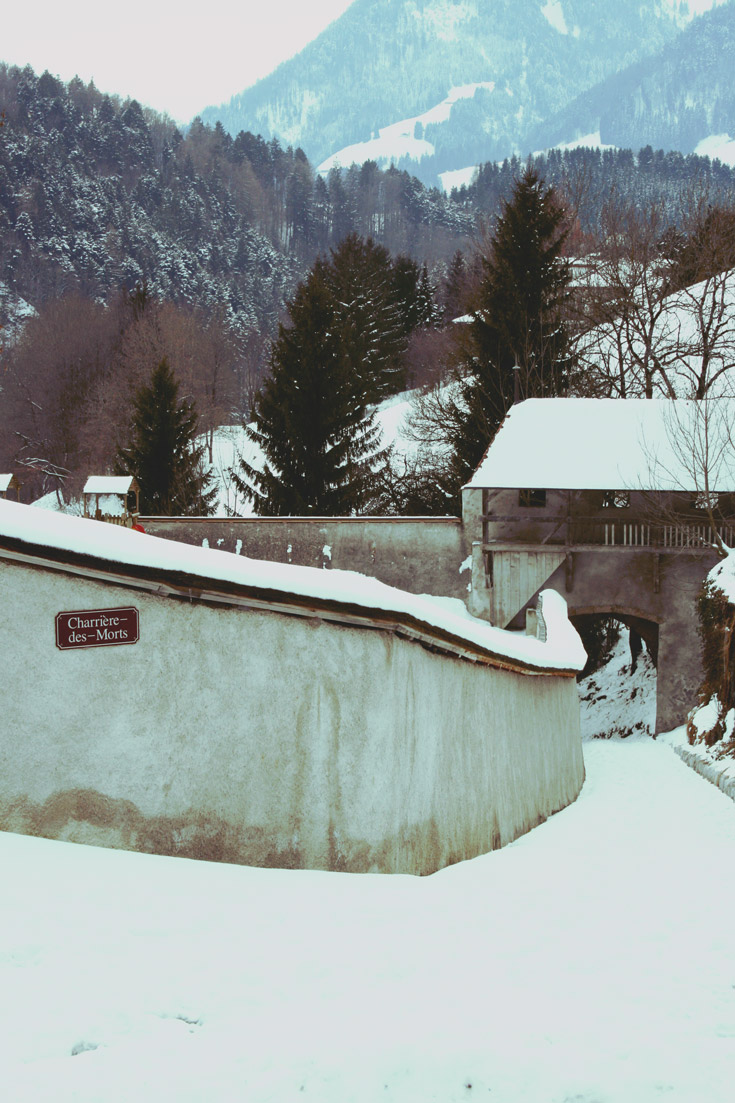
point(711, 721)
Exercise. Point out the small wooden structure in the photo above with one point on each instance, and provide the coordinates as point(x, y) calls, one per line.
point(9, 482)
point(112, 498)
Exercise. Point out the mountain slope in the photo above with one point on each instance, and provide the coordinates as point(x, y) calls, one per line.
point(385, 61)
point(675, 99)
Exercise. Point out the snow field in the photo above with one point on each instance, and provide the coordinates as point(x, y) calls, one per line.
point(591, 960)
point(397, 140)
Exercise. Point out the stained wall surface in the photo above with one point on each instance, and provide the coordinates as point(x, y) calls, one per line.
point(424, 555)
point(269, 739)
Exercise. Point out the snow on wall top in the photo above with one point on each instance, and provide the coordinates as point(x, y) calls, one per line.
point(612, 444)
point(283, 583)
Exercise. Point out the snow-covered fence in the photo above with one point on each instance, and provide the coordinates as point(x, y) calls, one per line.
point(186, 701)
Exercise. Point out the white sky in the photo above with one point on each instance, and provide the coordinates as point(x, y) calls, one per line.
point(170, 56)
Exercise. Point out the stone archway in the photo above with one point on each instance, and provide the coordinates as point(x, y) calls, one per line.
point(649, 630)
point(645, 628)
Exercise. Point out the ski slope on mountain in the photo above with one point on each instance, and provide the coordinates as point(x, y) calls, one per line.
point(400, 139)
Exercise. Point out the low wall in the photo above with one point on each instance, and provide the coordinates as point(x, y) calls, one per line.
point(236, 733)
point(424, 555)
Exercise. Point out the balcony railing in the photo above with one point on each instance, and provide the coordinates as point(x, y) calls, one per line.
point(645, 534)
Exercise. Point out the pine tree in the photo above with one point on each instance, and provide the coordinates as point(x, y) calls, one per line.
point(367, 303)
point(455, 287)
point(518, 319)
point(163, 453)
point(320, 442)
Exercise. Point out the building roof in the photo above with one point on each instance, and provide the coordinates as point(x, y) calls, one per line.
point(6, 482)
point(612, 444)
point(108, 484)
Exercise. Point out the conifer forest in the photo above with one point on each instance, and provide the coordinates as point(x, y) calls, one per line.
point(125, 242)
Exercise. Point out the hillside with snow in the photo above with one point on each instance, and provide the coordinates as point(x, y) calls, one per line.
point(683, 343)
point(438, 86)
point(231, 444)
point(680, 97)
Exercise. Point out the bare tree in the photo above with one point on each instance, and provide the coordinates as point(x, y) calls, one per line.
point(644, 336)
point(201, 354)
point(48, 378)
point(693, 465)
point(621, 353)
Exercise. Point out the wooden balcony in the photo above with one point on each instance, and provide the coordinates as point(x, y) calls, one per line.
point(629, 534)
point(594, 531)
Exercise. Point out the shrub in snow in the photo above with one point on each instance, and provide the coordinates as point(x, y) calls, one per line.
point(711, 720)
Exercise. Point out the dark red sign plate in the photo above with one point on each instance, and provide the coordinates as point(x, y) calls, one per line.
point(97, 628)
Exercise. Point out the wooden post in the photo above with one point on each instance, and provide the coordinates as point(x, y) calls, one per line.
point(569, 571)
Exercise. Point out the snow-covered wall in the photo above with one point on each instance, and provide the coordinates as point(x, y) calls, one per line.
point(315, 734)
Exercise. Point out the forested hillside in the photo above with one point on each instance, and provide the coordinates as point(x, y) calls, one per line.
point(594, 180)
point(97, 194)
point(674, 99)
point(514, 63)
point(124, 243)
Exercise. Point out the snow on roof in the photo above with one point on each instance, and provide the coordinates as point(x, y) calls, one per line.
point(5, 482)
point(108, 484)
point(612, 444)
point(288, 587)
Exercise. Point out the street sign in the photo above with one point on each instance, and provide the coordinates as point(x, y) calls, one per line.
point(97, 628)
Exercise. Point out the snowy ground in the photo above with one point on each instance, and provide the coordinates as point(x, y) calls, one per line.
point(231, 444)
point(614, 701)
point(591, 961)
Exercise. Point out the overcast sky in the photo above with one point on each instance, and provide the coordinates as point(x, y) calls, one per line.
point(170, 56)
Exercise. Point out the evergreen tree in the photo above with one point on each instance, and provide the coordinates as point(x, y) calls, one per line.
point(320, 443)
point(163, 454)
point(517, 319)
point(367, 296)
point(413, 295)
point(455, 287)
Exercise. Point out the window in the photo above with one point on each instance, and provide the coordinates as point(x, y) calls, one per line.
point(535, 499)
point(616, 499)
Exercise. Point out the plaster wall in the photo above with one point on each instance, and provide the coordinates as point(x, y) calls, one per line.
point(418, 554)
point(268, 739)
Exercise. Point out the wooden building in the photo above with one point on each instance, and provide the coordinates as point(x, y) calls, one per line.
point(621, 506)
point(9, 485)
point(112, 498)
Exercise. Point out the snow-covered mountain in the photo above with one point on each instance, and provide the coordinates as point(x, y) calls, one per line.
point(680, 98)
point(436, 85)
